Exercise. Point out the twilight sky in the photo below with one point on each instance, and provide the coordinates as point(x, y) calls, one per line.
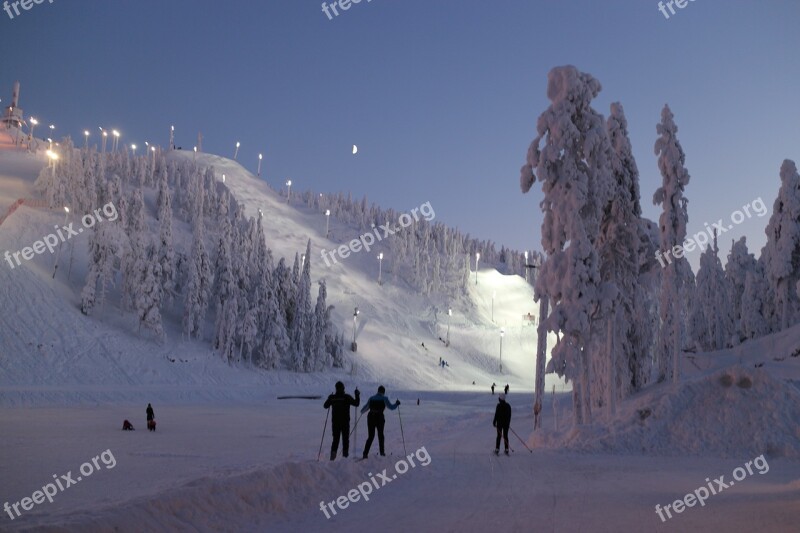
point(441, 96)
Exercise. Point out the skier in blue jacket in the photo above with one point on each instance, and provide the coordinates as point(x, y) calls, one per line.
point(376, 405)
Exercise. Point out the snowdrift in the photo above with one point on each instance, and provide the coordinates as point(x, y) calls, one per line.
point(262, 498)
point(735, 412)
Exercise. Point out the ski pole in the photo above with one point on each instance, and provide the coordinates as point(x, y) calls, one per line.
point(522, 441)
point(401, 430)
point(323, 434)
point(356, 426)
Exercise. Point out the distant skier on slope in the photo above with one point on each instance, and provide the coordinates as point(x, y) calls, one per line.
point(340, 421)
point(151, 418)
point(502, 421)
point(493, 386)
point(376, 405)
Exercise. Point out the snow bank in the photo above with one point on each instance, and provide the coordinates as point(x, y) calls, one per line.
point(735, 412)
point(265, 498)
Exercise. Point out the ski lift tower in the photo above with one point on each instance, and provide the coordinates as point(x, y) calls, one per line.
point(12, 115)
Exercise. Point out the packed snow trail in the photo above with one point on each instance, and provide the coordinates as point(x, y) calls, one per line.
point(253, 469)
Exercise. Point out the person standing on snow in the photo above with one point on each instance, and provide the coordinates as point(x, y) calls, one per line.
point(340, 421)
point(493, 389)
point(502, 421)
point(376, 405)
point(150, 415)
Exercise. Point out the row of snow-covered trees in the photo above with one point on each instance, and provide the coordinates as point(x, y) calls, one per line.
point(752, 297)
point(249, 308)
point(429, 256)
point(621, 320)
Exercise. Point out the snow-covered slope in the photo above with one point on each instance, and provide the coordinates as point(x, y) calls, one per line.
point(51, 353)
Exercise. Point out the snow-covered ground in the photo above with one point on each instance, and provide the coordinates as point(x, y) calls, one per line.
point(228, 455)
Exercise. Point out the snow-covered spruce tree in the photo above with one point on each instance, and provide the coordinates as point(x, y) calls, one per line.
point(135, 256)
point(147, 300)
point(740, 262)
point(318, 345)
point(672, 227)
point(574, 166)
point(711, 317)
point(618, 246)
point(781, 254)
point(302, 325)
point(225, 294)
point(755, 318)
point(105, 246)
point(166, 251)
point(198, 294)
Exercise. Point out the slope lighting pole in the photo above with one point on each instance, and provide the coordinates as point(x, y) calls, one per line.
point(477, 258)
point(502, 332)
point(449, 314)
point(236, 153)
point(289, 193)
point(354, 346)
point(327, 222)
point(260, 157)
point(380, 267)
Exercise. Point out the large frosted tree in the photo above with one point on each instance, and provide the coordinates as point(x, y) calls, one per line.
point(740, 263)
point(618, 246)
point(571, 156)
point(672, 228)
point(712, 313)
point(781, 254)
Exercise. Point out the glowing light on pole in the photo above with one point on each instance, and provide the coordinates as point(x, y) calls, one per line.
point(260, 157)
point(289, 193)
point(153, 149)
point(105, 139)
point(133, 147)
point(355, 319)
point(477, 258)
point(52, 128)
point(223, 181)
point(502, 332)
point(86, 138)
point(327, 222)
point(236, 153)
point(115, 133)
point(172, 137)
point(449, 315)
point(380, 267)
